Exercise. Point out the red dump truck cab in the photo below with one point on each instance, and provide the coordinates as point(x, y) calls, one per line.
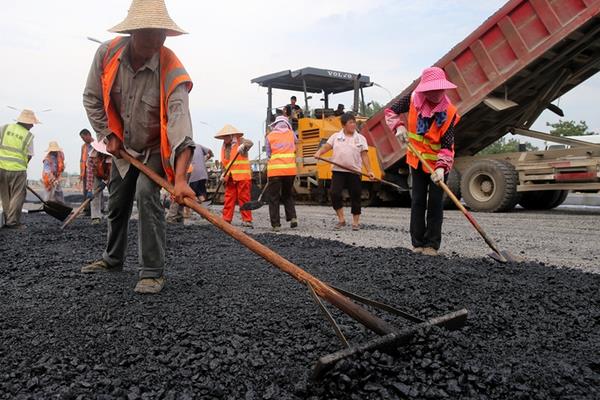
point(508, 71)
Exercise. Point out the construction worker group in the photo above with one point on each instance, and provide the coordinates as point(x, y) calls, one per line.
point(137, 102)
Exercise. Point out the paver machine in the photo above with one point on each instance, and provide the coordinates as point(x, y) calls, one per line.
point(315, 126)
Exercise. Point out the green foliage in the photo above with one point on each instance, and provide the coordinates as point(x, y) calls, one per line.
point(506, 146)
point(569, 128)
point(372, 108)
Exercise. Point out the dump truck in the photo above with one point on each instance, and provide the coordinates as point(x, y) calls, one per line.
point(315, 126)
point(508, 71)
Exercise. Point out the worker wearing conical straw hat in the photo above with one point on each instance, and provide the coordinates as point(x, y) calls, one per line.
point(238, 180)
point(16, 150)
point(136, 98)
point(430, 124)
point(54, 166)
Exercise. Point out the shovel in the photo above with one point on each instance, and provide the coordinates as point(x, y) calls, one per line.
point(214, 196)
point(397, 187)
point(255, 204)
point(53, 208)
point(391, 336)
point(76, 213)
point(502, 256)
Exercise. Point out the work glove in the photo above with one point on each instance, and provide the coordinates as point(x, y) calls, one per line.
point(241, 148)
point(222, 178)
point(401, 134)
point(438, 175)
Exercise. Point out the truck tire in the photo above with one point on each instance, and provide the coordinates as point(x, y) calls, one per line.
point(453, 184)
point(490, 186)
point(543, 199)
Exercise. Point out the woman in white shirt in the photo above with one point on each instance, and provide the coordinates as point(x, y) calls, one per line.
point(350, 150)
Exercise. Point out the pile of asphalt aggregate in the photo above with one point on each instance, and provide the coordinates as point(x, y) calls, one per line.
point(228, 325)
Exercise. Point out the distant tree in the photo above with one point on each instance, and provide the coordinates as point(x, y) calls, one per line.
point(372, 108)
point(569, 128)
point(506, 146)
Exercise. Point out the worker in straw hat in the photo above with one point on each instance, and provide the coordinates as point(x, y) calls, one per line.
point(238, 180)
point(431, 121)
point(54, 166)
point(136, 98)
point(16, 150)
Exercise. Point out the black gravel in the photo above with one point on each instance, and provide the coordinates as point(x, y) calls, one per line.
point(230, 326)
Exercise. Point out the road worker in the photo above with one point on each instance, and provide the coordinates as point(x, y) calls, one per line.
point(16, 150)
point(136, 98)
point(54, 166)
point(238, 180)
point(281, 172)
point(84, 174)
point(99, 162)
point(350, 150)
point(430, 129)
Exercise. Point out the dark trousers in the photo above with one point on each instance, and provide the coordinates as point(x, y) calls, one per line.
point(152, 239)
point(426, 198)
point(350, 181)
point(281, 190)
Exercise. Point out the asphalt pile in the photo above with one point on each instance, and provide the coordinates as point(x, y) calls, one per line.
point(230, 326)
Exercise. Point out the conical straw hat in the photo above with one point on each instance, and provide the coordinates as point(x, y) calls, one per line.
point(28, 117)
point(146, 14)
point(53, 146)
point(228, 130)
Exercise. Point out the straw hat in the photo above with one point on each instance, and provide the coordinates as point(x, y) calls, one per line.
point(100, 147)
point(281, 118)
point(228, 130)
point(434, 78)
point(146, 14)
point(53, 146)
point(28, 117)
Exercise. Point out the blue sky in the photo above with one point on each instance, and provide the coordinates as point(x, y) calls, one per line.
point(46, 56)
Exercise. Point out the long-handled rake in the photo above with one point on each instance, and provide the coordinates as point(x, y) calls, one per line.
point(382, 181)
point(391, 336)
point(502, 256)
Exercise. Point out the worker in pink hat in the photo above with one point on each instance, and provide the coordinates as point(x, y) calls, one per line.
point(430, 127)
point(98, 163)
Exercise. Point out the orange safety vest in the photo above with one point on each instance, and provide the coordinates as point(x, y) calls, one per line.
point(172, 74)
point(240, 170)
point(283, 154)
point(428, 144)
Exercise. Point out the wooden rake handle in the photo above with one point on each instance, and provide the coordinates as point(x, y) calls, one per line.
point(359, 173)
point(340, 301)
point(225, 174)
point(78, 211)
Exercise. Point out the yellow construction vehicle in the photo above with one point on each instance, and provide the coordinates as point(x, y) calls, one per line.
point(314, 128)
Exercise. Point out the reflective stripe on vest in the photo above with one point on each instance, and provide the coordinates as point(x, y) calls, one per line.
point(14, 142)
point(283, 154)
point(172, 74)
point(428, 144)
point(240, 170)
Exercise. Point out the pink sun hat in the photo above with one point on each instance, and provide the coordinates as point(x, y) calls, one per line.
point(100, 147)
point(434, 78)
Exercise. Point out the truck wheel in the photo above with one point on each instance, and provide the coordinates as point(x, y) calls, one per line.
point(543, 199)
point(453, 183)
point(490, 186)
